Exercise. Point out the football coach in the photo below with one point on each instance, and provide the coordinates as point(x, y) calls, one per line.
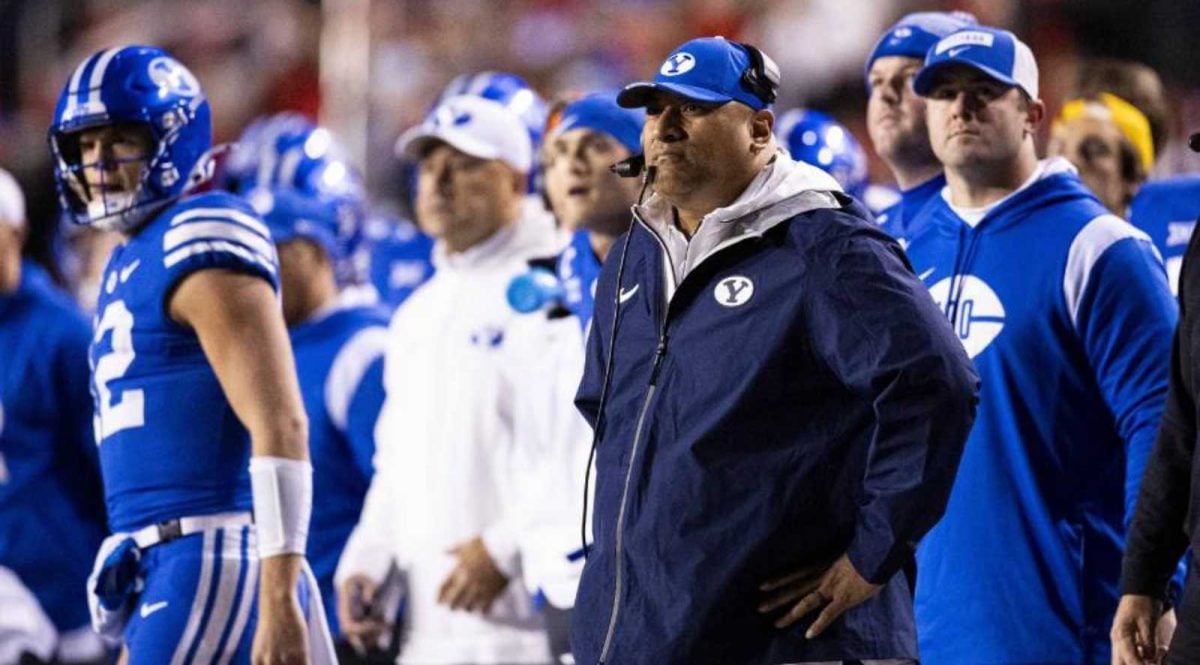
point(780, 407)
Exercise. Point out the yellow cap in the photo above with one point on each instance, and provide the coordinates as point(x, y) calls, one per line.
point(1131, 122)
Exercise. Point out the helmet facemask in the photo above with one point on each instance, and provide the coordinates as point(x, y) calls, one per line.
point(109, 182)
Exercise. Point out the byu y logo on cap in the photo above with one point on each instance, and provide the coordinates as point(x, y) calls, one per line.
point(679, 63)
point(734, 291)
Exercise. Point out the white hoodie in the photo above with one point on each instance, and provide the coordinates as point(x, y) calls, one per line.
point(782, 190)
point(445, 454)
point(544, 364)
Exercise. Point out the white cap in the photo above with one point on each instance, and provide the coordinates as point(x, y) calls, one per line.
point(479, 127)
point(12, 201)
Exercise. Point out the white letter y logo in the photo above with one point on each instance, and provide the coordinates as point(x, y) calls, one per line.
point(734, 291)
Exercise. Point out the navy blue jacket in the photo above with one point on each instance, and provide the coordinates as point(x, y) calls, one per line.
point(823, 415)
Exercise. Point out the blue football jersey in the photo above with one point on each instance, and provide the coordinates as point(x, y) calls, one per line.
point(51, 502)
point(1167, 210)
point(578, 270)
point(400, 259)
point(170, 444)
point(339, 359)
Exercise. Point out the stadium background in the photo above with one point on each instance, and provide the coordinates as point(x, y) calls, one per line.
point(370, 68)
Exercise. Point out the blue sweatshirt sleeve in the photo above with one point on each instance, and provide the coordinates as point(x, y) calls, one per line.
point(365, 405)
point(874, 325)
point(75, 408)
point(354, 393)
point(71, 361)
point(587, 398)
point(1125, 319)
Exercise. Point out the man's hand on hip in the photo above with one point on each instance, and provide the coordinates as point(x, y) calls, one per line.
point(476, 582)
point(838, 588)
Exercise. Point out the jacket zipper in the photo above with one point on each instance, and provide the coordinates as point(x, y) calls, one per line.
point(637, 439)
point(659, 353)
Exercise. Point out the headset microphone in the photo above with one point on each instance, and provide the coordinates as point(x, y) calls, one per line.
point(629, 168)
point(638, 162)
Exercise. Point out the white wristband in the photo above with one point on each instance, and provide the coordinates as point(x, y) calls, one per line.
point(282, 504)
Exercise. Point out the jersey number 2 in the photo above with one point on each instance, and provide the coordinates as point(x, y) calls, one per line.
point(129, 409)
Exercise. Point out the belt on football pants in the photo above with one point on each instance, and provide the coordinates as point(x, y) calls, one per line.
point(165, 532)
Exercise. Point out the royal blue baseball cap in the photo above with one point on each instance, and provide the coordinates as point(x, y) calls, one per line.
point(599, 112)
point(708, 69)
point(916, 33)
point(992, 51)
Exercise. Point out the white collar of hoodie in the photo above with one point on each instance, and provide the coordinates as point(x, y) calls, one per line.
point(1045, 168)
point(532, 232)
point(782, 190)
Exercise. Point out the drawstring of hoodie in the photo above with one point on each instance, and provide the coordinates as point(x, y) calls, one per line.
point(963, 258)
point(950, 308)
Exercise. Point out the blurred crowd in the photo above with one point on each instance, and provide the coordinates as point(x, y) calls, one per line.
point(262, 57)
point(266, 69)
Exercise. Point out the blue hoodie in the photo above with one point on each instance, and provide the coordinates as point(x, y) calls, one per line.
point(1167, 210)
point(51, 500)
point(794, 396)
point(1066, 312)
point(900, 219)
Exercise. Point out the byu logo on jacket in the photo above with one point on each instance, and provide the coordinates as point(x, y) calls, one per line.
point(734, 291)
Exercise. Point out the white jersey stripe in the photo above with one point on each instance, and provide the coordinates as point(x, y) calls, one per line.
point(216, 230)
point(347, 370)
point(223, 213)
point(249, 592)
point(1086, 249)
point(320, 640)
point(198, 602)
point(202, 246)
point(222, 609)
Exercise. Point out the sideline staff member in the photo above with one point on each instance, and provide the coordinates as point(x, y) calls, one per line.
point(786, 406)
point(1065, 310)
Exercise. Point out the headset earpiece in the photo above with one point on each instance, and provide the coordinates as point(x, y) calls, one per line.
point(762, 76)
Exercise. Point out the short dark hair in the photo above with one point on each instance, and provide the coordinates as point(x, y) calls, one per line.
point(1132, 81)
